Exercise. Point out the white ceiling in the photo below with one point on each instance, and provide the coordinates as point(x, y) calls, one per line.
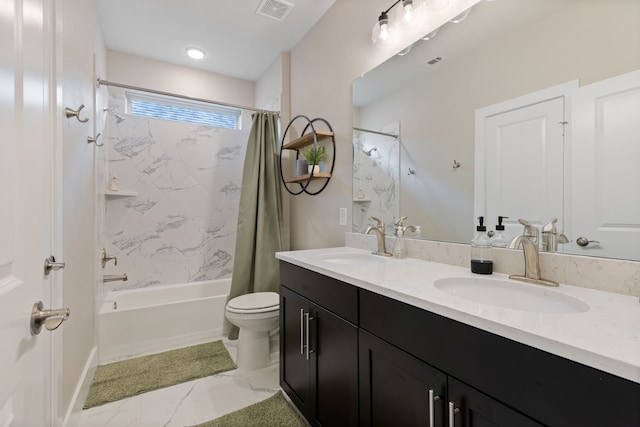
point(238, 42)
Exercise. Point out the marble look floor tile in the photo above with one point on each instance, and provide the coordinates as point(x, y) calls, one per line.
point(188, 403)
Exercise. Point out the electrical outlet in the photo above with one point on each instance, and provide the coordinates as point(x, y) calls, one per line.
point(343, 216)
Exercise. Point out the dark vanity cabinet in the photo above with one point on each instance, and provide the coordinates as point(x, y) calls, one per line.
point(375, 361)
point(396, 388)
point(319, 346)
point(399, 389)
point(491, 380)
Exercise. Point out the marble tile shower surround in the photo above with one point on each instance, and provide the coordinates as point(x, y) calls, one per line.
point(181, 226)
point(610, 275)
point(377, 177)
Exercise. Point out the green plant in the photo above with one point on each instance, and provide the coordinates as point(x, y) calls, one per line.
point(313, 157)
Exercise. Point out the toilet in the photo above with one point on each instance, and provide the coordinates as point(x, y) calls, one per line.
point(255, 315)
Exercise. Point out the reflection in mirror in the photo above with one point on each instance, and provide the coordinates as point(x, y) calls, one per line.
point(375, 175)
point(502, 51)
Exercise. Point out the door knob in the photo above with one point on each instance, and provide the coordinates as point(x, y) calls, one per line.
point(583, 241)
point(51, 319)
point(51, 264)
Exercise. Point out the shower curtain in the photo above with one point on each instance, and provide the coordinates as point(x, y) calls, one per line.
point(259, 234)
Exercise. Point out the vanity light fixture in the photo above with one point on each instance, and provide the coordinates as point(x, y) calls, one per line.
point(407, 11)
point(408, 16)
point(381, 33)
point(195, 53)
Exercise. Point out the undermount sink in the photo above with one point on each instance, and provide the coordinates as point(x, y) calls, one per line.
point(511, 294)
point(351, 258)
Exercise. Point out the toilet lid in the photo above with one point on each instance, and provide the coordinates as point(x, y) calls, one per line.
point(263, 301)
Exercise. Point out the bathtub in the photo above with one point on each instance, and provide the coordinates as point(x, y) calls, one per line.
point(142, 321)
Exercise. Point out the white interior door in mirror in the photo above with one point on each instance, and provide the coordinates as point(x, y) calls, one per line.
point(519, 160)
point(605, 206)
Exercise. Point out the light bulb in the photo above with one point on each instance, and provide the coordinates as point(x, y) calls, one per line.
point(410, 14)
point(407, 14)
point(382, 33)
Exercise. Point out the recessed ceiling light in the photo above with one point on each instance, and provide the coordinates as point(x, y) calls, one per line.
point(195, 53)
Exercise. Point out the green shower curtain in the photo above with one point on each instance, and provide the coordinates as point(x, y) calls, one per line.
point(259, 234)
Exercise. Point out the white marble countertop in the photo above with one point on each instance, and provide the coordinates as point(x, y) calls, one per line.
point(606, 337)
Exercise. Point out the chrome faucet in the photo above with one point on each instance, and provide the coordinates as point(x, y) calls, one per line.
point(114, 278)
point(379, 230)
point(551, 237)
point(529, 243)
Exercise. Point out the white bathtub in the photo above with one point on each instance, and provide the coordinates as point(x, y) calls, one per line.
point(161, 318)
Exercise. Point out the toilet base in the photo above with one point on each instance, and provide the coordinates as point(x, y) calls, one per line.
point(253, 350)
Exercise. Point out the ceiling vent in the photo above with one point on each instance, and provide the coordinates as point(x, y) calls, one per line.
point(274, 9)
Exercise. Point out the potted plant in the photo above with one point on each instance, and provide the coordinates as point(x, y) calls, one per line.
point(314, 156)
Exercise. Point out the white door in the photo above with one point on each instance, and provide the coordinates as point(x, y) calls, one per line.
point(523, 162)
point(26, 123)
point(605, 173)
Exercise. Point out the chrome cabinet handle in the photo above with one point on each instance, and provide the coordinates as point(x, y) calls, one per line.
point(51, 319)
point(432, 409)
point(51, 264)
point(584, 242)
point(307, 349)
point(75, 113)
point(452, 414)
point(302, 331)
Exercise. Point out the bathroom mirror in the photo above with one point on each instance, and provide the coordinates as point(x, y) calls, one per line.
point(501, 51)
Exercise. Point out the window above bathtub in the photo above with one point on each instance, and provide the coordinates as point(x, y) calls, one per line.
point(177, 109)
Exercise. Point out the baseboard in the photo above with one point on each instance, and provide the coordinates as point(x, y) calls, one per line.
point(72, 416)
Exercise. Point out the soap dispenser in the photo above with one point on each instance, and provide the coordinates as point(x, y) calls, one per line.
point(499, 240)
point(418, 232)
point(400, 246)
point(481, 261)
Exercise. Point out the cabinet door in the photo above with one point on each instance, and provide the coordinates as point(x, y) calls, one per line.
point(479, 410)
point(294, 366)
point(334, 369)
point(394, 387)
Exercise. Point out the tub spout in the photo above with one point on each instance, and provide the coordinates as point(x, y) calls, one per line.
point(114, 278)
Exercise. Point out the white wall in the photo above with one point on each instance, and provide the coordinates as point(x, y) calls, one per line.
point(336, 51)
point(76, 44)
point(273, 92)
point(269, 87)
point(158, 75)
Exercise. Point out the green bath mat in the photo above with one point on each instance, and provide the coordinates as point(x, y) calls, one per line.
point(272, 412)
point(131, 377)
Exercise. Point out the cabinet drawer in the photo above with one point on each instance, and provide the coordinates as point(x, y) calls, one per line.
point(548, 388)
point(334, 295)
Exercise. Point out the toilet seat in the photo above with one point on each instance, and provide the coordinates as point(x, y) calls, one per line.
point(257, 302)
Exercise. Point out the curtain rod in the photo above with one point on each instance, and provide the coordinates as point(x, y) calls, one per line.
point(392, 135)
point(159, 92)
